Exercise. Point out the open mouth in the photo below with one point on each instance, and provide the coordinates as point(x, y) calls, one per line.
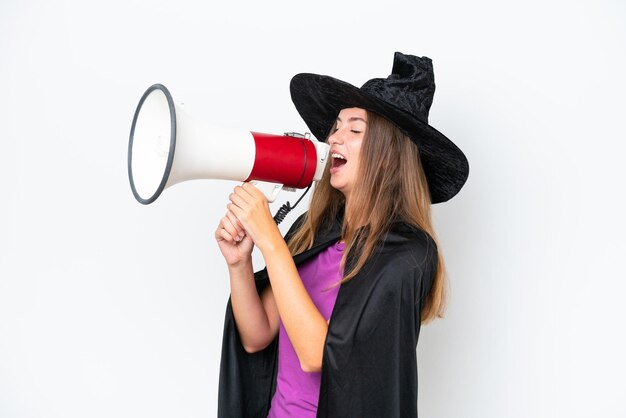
point(338, 160)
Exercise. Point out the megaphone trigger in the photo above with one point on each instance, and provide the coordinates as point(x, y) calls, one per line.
point(270, 190)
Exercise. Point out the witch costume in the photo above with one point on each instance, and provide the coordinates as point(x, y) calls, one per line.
point(369, 364)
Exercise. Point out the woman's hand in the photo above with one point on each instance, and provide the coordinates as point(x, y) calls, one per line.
point(305, 325)
point(256, 316)
point(235, 245)
point(251, 209)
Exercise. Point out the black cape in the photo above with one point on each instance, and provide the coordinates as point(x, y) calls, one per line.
point(369, 365)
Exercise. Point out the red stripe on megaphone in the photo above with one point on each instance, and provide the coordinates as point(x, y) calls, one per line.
point(285, 160)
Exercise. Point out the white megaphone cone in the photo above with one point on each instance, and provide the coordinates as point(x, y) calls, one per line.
point(167, 146)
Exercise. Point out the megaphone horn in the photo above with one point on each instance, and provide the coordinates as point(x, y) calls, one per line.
point(168, 146)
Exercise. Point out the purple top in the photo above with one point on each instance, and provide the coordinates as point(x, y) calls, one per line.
point(297, 392)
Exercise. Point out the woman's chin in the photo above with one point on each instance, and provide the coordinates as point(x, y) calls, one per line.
point(336, 184)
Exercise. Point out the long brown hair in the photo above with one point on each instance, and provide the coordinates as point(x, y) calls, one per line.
point(391, 186)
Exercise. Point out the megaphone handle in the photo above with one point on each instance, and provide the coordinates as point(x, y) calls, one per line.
point(270, 190)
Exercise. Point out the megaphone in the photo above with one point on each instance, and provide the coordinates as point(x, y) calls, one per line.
point(168, 146)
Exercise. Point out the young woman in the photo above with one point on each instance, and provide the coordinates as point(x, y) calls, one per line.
point(330, 327)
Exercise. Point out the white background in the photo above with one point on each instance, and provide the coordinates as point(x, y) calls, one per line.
point(109, 308)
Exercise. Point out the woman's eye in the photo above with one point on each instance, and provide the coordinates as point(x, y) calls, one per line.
point(355, 131)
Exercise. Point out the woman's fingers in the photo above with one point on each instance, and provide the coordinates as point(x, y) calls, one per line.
point(222, 234)
point(248, 198)
point(251, 211)
point(240, 198)
point(237, 211)
point(252, 214)
point(249, 195)
point(252, 191)
point(236, 224)
point(228, 225)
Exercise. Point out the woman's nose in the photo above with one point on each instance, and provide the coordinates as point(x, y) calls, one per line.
point(335, 138)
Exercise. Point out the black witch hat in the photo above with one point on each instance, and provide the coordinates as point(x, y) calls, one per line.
point(404, 98)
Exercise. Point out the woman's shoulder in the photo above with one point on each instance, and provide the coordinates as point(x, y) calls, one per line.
point(409, 234)
point(411, 243)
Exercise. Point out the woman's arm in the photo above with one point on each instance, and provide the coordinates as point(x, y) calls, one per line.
point(256, 317)
point(304, 324)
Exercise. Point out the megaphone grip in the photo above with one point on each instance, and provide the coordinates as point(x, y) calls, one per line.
point(283, 159)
